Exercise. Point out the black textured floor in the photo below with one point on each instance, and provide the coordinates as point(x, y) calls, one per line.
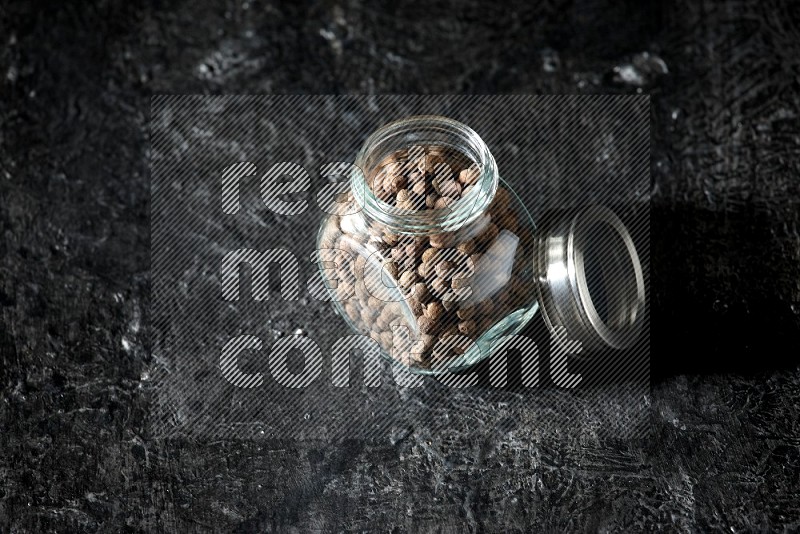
point(74, 197)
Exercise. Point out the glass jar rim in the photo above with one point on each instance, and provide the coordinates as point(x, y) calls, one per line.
point(411, 131)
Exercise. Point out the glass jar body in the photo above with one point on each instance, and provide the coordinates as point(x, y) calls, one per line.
point(436, 302)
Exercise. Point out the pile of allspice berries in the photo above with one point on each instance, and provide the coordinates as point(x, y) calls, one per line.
point(436, 277)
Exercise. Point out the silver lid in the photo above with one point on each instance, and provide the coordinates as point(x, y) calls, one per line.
point(590, 279)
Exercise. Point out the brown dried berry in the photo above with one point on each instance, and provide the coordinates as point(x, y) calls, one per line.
point(430, 200)
point(466, 313)
point(390, 239)
point(392, 269)
point(426, 325)
point(450, 330)
point(438, 287)
point(358, 266)
point(459, 283)
point(466, 247)
point(421, 292)
point(489, 234)
point(469, 175)
point(361, 291)
point(467, 327)
point(393, 166)
point(486, 307)
point(416, 178)
point(385, 196)
point(407, 279)
point(397, 182)
point(430, 254)
point(425, 270)
point(344, 289)
point(384, 181)
point(429, 162)
point(427, 341)
point(449, 188)
point(434, 311)
point(443, 203)
point(444, 269)
point(367, 315)
point(386, 338)
point(417, 307)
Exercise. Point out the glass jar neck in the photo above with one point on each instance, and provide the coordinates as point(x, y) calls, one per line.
point(424, 131)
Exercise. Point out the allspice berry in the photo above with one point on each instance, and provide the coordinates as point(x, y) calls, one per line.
point(407, 279)
point(459, 283)
point(466, 313)
point(489, 234)
point(449, 188)
point(443, 203)
point(429, 162)
point(358, 266)
point(475, 257)
point(444, 269)
point(398, 255)
point(421, 292)
point(502, 198)
point(431, 276)
point(396, 183)
point(467, 327)
point(392, 269)
point(430, 254)
point(438, 287)
point(434, 311)
point(469, 175)
point(386, 338)
point(430, 200)
point(450, 330)
point(425, 269)
point(416, 177)
point(466, 247)
point(390, 239)
point(417, 307)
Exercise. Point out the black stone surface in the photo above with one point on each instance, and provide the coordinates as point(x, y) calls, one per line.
point(74, 197)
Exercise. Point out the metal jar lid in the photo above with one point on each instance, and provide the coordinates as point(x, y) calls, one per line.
point(590, 279)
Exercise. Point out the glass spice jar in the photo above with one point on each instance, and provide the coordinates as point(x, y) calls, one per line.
point(435, 258)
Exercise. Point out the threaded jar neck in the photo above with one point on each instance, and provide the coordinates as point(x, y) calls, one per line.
point(424, 131)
